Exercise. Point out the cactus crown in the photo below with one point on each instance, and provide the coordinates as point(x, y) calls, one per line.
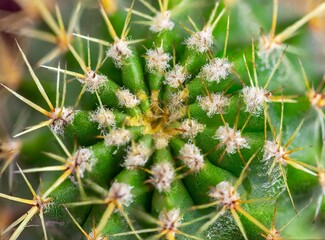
point(169, 137)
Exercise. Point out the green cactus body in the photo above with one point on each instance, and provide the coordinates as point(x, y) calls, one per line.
point(187, 141)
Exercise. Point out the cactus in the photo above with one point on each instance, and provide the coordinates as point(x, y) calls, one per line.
point(189, 126)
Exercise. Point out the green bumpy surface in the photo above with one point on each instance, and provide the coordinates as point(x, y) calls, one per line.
point(222, 180)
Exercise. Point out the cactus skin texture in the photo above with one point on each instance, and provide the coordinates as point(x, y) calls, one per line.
point(189, 126)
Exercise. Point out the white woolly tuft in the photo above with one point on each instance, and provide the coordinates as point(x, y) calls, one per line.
point(216, 70)
point(161, 140)
point(137, 155)
point(92, 236)
point(9, 147)
point(176, 105)
point(176, 77)
point(191, 128)
point(254, 98)
point(269, 51)
point(127, 99)
point(225, 193)
point(317, 100)
point(192, 157)
point(117, 137)
point(216, 103)
point(162, 176)
point(171, 220)
point(200, 41)
point(104, 117)
point(273, 151)
point(157, 60)
point(93, 81)
point(119, 51)
point(82, 160)
point(162, 22)
point(121, 193)
point(176, 100)
point(61, 117)
point(231, 139)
